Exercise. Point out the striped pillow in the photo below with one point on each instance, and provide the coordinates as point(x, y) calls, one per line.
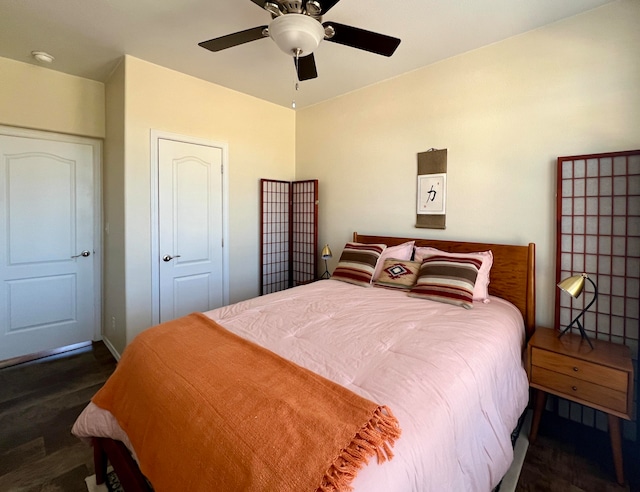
point(357, 263)
point(481, 289)
point(448, 280)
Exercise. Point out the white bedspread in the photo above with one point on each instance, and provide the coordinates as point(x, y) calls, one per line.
point(453, 377)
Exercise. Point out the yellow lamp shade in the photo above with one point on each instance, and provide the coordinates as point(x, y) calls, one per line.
point(326, 252)
point(573, 285)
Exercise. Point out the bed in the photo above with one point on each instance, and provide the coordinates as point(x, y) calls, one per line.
point(457, 387)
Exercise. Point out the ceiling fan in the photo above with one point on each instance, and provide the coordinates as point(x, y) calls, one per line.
point(296, 27)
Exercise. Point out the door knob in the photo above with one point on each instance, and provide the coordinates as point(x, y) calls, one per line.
point(85, 253)
point(169, 257)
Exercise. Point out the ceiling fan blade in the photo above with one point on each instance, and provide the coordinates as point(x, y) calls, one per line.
point(259, 3)
point(362, 39)
point(235, 39)
point(306, 67)
point(327, 5)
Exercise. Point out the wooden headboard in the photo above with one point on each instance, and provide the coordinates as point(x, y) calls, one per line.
point(512, 274)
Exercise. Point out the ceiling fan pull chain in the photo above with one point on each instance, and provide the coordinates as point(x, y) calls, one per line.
point(295, 77)
point(297, 55)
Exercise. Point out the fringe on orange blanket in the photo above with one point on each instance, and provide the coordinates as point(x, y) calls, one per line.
point(375, 438)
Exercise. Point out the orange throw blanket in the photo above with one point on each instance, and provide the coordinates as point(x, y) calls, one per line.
point(207, 410)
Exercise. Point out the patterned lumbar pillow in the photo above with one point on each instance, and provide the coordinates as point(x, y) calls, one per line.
point(448, 280)
point(398, 274)
point(357, 263)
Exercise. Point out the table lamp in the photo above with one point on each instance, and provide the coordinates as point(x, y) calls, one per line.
point(326, 254)
point(573, 286)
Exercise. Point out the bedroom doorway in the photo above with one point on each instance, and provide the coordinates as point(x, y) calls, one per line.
point(50, 257)
point(189, 254)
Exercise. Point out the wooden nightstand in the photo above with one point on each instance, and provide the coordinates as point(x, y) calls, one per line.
point(601, 378)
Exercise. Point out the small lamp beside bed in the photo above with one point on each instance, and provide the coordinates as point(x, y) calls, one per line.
point(326, 254)
point(574, 286)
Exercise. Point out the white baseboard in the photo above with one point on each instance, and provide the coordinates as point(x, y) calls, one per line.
point(111, 348)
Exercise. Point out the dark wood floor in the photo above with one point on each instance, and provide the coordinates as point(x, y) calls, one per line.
point(40, 400)
point(571, 457)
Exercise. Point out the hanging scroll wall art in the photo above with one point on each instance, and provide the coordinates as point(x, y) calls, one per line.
point(432, 189)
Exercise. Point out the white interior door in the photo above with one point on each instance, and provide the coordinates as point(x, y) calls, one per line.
point(190, 228)
point(47, 266)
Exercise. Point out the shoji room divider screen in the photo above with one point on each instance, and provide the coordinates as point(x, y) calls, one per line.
point(598, 233)
point(289, 233)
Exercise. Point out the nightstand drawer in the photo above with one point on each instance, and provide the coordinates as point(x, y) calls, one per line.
point(580, 369)
point(573, 387)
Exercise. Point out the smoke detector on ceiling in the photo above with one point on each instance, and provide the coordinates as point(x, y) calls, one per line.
point(42, 56)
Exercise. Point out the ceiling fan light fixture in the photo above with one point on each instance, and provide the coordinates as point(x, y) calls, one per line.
point(313, 7)
point(273, 9)
point(293, 32)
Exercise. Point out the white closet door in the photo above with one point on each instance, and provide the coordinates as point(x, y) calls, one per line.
point(47, 263)
point(190, 228)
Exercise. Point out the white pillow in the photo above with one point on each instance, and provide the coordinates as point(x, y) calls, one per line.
point(400, 252)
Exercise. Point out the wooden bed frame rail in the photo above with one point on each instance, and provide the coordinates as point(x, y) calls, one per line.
point(107, 450)
point(115, 452)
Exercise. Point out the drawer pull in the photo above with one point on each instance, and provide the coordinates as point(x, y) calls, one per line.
point(574, 388)
point(575, 369)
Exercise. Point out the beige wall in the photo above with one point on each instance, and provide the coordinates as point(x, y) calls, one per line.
point(260, 138)
point(114, 215)
point(504, 112)
point(42, 99)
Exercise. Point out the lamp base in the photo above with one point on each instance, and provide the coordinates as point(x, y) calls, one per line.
point(583, 333)
point(326, 273)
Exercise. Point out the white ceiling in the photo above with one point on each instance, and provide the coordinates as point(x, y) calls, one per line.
point(88, 37)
